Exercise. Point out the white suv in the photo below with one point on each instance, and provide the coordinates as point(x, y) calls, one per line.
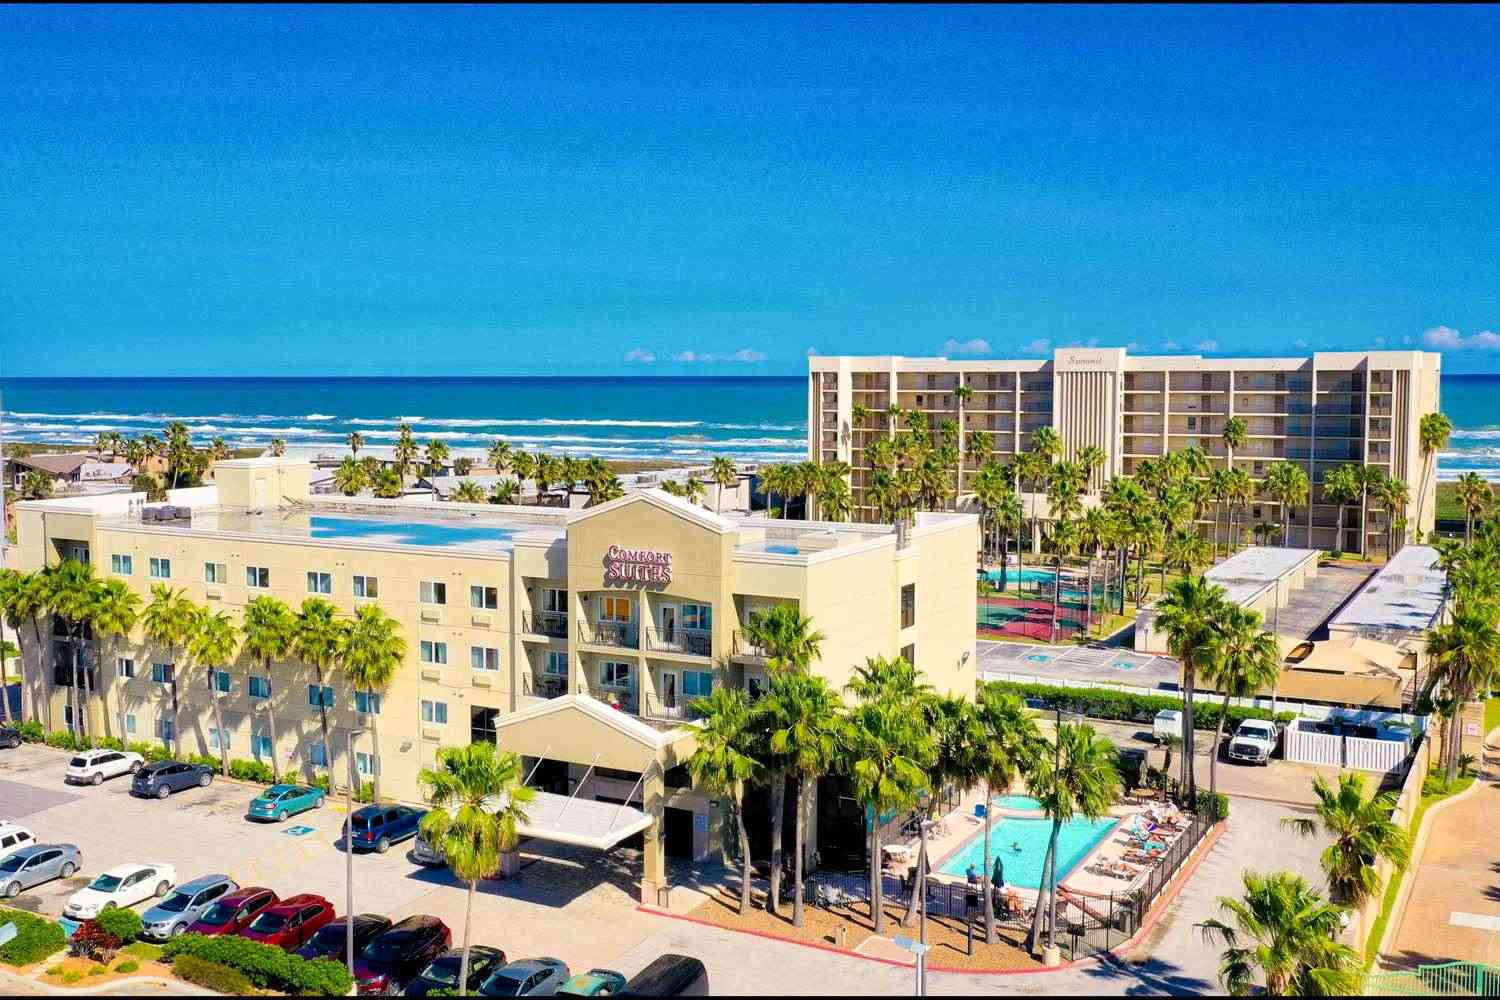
point(14, 837)
point(90, 767)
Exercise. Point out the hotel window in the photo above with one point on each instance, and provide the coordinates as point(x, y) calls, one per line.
point(484, 658)
point(697, 683)
point(697, 616)
point(555, 600)
point(909, 653)
point(124, 668)
point(615, 609)
point(367, 763)
point(318, 754)
point(215, 573)
point(162, 673)
point(484, 598)
point(166, 728)
point(68, 715)
point(258, 577)
point(367, 702)
point(260, 687)
point(320, 697)
point(434, 652)
point(1192, 424)
point(435, 712)
point(908, 605)
point(433, 592)
point(614, 674)
point(319, 583)
point(218, 739)
point(127, 722)
point(221, 681)
point(123, 565)
point(161, 569)
point(366, 586)
point(556, 663)
point(260, 747)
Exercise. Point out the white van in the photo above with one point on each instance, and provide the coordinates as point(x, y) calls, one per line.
point(1167, 725)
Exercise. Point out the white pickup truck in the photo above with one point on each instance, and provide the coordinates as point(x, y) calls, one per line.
point(1253, 742)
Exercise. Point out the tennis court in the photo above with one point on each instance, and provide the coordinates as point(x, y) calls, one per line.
point(1019, 661)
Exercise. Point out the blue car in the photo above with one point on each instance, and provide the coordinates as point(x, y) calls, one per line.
point(158, 780)
point(280, 801)
point(376, 828)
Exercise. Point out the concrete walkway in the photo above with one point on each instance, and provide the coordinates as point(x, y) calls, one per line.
point(1452, 912)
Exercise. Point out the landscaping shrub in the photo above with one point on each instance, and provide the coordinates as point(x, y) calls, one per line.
point(32, 731)
point(109, 743)
point(98, 970)
point(92, 941)
point(128, 966)
point(321, 781)
point(122, 923)
point(251, 770)
point(203, 760)
point(1213, 805)
point(35, 938)
point(1122, 706)
point(212, 975)
point(151, 751)
point(62, 739)
point(366, 792)
point(264, 965)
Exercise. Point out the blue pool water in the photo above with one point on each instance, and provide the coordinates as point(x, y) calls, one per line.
point(423, 533)
point(1024, 867)
point(786, 550)
point(1024, 803)
point(1014, 576)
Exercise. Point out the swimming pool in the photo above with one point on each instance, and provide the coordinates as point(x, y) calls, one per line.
point(785, 550)
point(424, 533)
point(1023, 868)
point(1020, 803)
point(1013, 576)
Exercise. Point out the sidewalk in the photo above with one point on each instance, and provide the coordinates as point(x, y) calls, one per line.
point(1453, 911)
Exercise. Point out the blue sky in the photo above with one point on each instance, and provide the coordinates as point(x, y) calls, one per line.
point(593, 191)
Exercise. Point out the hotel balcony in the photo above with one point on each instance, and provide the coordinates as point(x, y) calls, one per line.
point(744, 649)
point(621, 635)
point(654, 710)
point(553, 624)
point(626, 700)
point(688, 641)
point(538, 685)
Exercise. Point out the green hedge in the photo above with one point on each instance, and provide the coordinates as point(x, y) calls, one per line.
point(266, 966)
point(1102, 703)
point(251, 770)
point(123, 923)
point(213, 975)
point(35, 938)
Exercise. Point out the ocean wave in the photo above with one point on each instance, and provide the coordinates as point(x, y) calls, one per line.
point(319, 416)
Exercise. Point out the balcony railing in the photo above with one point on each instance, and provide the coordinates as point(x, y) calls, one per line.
point(625, 635)
point(626, 699)
point(692, 641)
point(654, 708)
point(543, 685)
point(743, 647)
point(548, 623)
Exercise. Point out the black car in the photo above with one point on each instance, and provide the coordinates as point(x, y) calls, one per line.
point(331, 937)
point(164, 777)
point(9, 738)
point(394, 958)
point(669, 976)
point(442, 972)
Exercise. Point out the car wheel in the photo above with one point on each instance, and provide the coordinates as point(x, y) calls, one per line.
point(205, 780)
point(96, 779)
point(109, 906)
point(13, 890)
point(135, 766)
point(382, 845)
point(163, 792)
point(162, 887)
point(68, 869)
point(319, 803)
point(281, 816)
point(176, 930)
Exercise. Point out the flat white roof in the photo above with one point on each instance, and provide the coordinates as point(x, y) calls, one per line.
point(1245, 574)
point(581, 822)
point(1406, 595)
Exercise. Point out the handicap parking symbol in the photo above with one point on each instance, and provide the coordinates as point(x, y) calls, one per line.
point(297, 831)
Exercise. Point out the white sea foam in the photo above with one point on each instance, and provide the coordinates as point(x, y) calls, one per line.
point(320, 416)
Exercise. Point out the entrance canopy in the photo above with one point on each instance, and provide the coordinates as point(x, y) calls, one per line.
point(581, 822)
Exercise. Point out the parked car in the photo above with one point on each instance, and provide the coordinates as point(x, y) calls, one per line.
point(292, 922)
point(280, 801)
point(38, 863)
point(530, 977)
point(593, 983)
point(90, 767)
point(185, 905)
point(9, 738)
point(376, 828)
point(393, 959)
point(234, 912)
point(427, 854)
point(122, 885)
point(1253, 742)
point(669, 976)
point(1167, 725)
point(442, 972)
point(13, 837)
point(167, 776)
point(331, 938)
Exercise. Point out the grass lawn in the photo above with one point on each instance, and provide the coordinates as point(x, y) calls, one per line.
point(142, 951)
point(1491, 715)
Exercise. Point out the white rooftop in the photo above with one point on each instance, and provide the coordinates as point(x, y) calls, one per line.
point(1407, 595)
point(1245, 574)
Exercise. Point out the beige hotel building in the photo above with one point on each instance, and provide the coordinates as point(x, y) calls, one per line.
point(575, 637)
point(1322, 411)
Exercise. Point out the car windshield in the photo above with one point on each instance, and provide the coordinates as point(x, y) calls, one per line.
point(175, 903)
point(218, 915)
point(105, 883)
point(268, 923)
point(13, 863)
point(385, 949)
point(444, 971)
point(330, 935)
point(503, 984)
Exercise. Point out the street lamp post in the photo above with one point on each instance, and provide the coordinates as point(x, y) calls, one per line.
point(349, 856)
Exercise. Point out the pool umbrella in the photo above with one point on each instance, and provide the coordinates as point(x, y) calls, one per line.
point(997, 878)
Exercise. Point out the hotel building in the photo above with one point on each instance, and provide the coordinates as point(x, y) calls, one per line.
point(1322, 411)
point(574, 637)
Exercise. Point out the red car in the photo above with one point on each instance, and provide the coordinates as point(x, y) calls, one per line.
point(234, 912)
point(289, 923)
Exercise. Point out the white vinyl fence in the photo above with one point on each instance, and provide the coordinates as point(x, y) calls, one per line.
point(1307, 746)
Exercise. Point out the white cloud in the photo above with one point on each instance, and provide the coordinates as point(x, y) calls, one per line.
point(640, 356)
point(975, 346)
point(1206, 346)
point(1171, 345)
point(1445, 338)
point(745, 356)
point(1041, 345)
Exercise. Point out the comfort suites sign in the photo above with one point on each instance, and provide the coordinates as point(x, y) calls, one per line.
point(637, 566)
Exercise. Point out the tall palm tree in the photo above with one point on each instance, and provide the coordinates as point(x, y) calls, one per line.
point(1241, 492)
point(437, 454)
point(1288, 484)
point(169, 621)
point(1236, 432)
point(1395, 497)
point(804, 715)
point(468, 491)
point(1217, 492)
point(724, 762)
point(212, 644)
point(278, 449)
point(1246, 659)
point(1076, 776)
point(218, 449)
point(724, 475)
point(1189, 614)
point(349, 478)
point(499, 456)
point(1287, 933)
point(834, 499)
point(603, 488)
point(316, 643)
point(1474, 496)
point(504, 491)
point(23, 598)
point(1091, 459)
point(1465, 655)
point(1371, 478)
point(71, 591)
point(117, 608)
point(36, 485)
point(1342, 486)
point(1012, 740)
point(478, 799)
point(1362, 831)
point(371, 650)
point(180, 449)
point(1433, 431)
point(523, 464)
point(269, 630)
point(356, 441)
point(404, 452)
point(388, 484)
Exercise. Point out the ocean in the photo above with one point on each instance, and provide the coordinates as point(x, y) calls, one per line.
point(686, 419)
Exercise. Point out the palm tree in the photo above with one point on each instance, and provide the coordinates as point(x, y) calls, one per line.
point(1246, 659)
point(804, 715)
point(117, 608)
point(180, 449)
point(1189, 614)
point(499, 456)
point(316, 642)
point(70, 591)
point(23, 598)
point(1395, 497)
point(604, 487)
point(463, 465)
point(388, 484)
point(1342, 486)
point(1077, 777)
point(1465, 655)
point(278, 449)
point(478, 799)
point(269, 630)
point(1217, 492)
point(169, 621)
point(1012, 739)
point(724, 762)
point(212, 644)
point(218, 450)
point(404, 453)
point(724, 475)
point(356, 441)
point(834, 499)
point(1235, 433)
point(1362, 831)
point(1433, 431)
point(1288, 484)
point(1241, 492)
point(437, 454)
point(371, 650)
point(504, 491)
point(523, 464)
point(1371, 478)
point(36, 485)
point(1474, 496)
point(468, 491)
point(349, 478)
point(1289, 934)
point(775, 479)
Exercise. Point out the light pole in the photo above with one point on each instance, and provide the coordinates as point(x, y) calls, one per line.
point(349, 856)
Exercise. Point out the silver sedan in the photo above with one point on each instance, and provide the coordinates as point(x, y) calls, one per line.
point(34, 865)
